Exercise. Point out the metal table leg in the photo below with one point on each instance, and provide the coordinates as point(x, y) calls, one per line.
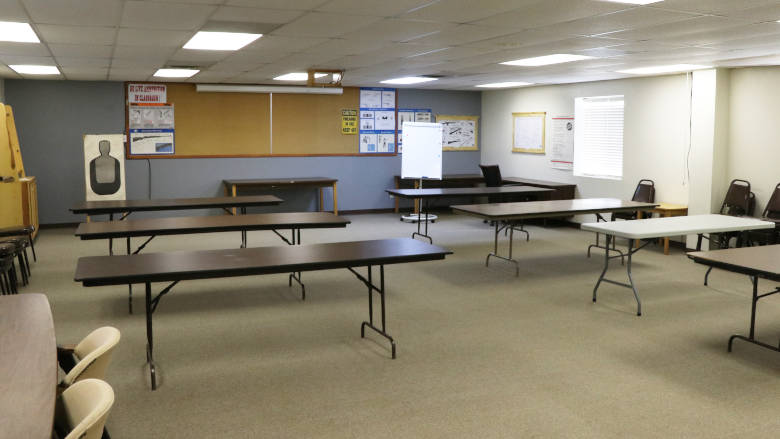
point(417, 233)
point(751, 338)
point(630, 285)
point(381, 290)
point(498, 228)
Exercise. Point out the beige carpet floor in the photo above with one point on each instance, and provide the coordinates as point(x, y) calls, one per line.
point(481, 353)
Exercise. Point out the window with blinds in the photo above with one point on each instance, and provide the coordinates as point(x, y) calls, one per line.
point(598, 137)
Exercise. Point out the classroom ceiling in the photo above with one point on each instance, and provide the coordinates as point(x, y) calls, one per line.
point(462, 41)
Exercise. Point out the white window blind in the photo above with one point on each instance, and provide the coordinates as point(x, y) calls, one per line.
point(598, 137)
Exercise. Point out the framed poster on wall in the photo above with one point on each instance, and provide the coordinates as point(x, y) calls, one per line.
point(461, 133)
point(528, 132)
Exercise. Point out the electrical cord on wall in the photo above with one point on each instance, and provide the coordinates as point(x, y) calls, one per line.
point(689, 83)
point(149, 166)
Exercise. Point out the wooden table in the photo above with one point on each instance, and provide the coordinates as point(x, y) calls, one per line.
point(756, 262)
point(666, 210)
point(563, 191)
point(208, 224)
point(178, 266)
point(427, 194)
point(28, 367)
point(232, 186)
point(650, 228)
point(129, 206)
point(505, 216)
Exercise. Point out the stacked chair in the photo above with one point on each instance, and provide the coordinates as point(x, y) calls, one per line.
point(14, 242)
point(85, 399)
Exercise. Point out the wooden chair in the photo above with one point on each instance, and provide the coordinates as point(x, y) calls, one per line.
point(82, 409)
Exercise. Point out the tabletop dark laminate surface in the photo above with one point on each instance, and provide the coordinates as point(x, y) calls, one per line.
point(115, 206)
point(301, 181)
point(183, 265)
point(466, 191)
point(208, 224)
point(542, 209)
point(28, 367)
point(762, 261)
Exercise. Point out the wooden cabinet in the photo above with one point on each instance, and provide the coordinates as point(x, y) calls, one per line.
point(19, 201)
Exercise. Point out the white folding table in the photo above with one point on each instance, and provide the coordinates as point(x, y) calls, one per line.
point(661, 227)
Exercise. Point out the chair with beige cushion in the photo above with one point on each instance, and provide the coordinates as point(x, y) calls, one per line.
point(82, 409)
point(90, 358)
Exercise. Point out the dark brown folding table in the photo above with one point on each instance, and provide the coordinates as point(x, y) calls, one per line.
point(28, 367)
point(756, 262)
point(232, 186)
point(174, 267)
point(427, 194)
point(151, 227)
point(127, 207)
point(506, 215)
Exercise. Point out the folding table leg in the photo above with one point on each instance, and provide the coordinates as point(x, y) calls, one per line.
point(751, 338)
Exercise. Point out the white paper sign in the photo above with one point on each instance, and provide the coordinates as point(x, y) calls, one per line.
point(528, 133)
point(147, 93)
point(562, 151)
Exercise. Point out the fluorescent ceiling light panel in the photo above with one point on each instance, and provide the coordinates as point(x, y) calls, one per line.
point(675, 68)
point(35, 70)
point(408, 80)
point(175, 73)
point(546, 60)
point(634, 2)
point(220, 40)
point(505, 84)
point(17, 32)
point(297, 76)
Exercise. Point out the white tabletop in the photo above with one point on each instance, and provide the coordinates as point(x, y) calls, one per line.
point(678, 225)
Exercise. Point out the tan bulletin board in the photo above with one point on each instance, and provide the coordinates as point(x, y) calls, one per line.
point(461, 133)
point(528, 132)
point(240, 124)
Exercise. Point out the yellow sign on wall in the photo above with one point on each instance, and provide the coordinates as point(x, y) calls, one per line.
point(349, 124)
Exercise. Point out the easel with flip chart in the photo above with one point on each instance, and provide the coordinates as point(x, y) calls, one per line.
point(422, 156)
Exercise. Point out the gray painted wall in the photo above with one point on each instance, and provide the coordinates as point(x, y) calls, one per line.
point(52, 116)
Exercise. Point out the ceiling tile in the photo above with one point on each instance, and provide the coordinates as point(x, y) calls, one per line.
point(12, 10)
point(171, 16)
point(84, 50)
point(129, 74)
point(255, 15)
point(300, 5)
point(759, 14)
point(51, 33)
point(246, 61)
point(719, 36)
point(463, 34)
point(283, 44)
point(152, 37)
point(184, 56)
point(75, 12)
point(130, 63)
point(547, 12)
point(85, 73)
point(143, 53)
point(319, 24)
point(713, 6)
point(464, 11)
point(393, 29)
point(78, 61)
point(678, 28)
point(383, 8)
point(623, 20)
point(520, 39)
point(211, 76)
point(23, 49)
point(344, 47)
point(24, 59)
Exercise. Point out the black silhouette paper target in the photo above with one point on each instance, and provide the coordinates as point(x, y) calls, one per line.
point(104, 167)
